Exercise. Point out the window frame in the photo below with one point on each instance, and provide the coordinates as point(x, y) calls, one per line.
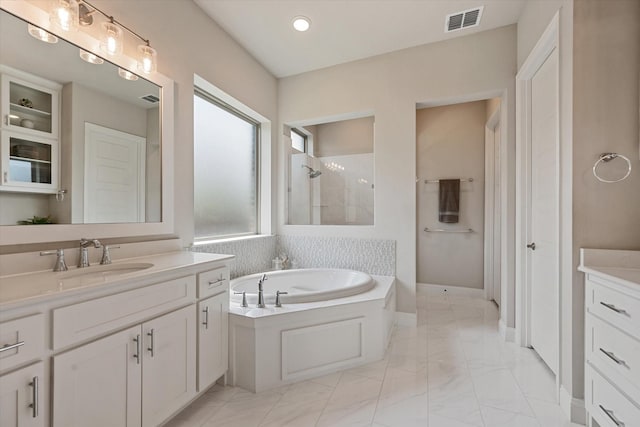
point(305, 139)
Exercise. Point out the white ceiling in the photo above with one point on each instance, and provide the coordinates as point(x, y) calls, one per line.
point(344, 30)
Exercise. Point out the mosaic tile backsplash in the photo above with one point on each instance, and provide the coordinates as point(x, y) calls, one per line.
point(373, 256)
point(252, 255)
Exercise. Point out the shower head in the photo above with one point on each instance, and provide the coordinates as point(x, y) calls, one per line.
point(312, 172)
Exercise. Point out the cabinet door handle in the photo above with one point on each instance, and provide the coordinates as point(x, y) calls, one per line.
point(215, 282)
point(613, 357)
point(612, 417)
point(35, 404)
point(614, 308)
point(7, 347)
point(137, 355)
point(150, 334)
point(206, 317)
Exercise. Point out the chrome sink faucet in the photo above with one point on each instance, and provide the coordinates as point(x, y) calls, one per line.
point(83, 261)
point(260, 292)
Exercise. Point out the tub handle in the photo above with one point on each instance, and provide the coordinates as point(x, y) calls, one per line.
point(244, 298)
point(278, 293)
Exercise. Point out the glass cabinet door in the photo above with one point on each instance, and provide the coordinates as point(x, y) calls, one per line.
point(29, 163)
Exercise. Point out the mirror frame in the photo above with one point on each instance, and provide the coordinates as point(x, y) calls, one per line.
point(25, 234)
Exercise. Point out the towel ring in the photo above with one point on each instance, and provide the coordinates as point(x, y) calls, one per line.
point(607, 157)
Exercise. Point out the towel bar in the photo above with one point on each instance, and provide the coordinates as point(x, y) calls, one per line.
point(435, 181)
point(441, 230)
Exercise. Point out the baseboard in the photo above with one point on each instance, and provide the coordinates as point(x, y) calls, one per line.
point(507, 333)
point(453, 290)
point(573, 408)
point(406, 319)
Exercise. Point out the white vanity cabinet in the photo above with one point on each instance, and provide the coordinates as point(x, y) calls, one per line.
point(29, 151)
point(21, 397)
point(213, 326)
point(612, 340)
point(142, 374)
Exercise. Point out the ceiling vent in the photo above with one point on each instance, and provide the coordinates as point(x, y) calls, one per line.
point(151, 98)
point(461, 20)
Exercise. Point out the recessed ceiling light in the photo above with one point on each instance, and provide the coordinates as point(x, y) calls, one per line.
point(301, 23)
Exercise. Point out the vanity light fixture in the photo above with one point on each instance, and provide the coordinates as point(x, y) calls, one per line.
point(90, 57)
point(111, 40)
point(64, 14)
point(41, 34)
point(127, 75)
point(147, 62)
point(301, 23)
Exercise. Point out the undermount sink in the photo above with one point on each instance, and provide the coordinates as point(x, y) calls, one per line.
point(103, 271)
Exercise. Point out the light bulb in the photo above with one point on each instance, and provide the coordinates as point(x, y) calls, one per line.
point(41, 34)
point(147, 62)
point(90, 57)
point(64, 14)
point(127, 75)
point(111, 42)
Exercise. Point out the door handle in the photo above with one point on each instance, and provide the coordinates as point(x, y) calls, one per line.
point(532, 246)
point(150, 349)
point(34, 405)
point(137, 355)
point(206, 317)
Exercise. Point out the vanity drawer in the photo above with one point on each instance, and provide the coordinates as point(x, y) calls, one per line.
point(21, 340)
point(213, 281)
point(615, 307)
point(615, 354)
point(607, 405)
point(93, 318)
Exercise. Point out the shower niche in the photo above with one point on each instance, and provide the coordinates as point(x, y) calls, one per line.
point(330, 172)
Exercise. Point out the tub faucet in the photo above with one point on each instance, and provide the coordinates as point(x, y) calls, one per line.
point(260, 292)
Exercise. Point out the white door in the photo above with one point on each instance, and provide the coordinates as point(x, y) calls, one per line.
point(544, 212)
point(496, 235)
point(18, 395)
point(213, 341)
point(98, 384)
point(114, 187)
point(169, 375)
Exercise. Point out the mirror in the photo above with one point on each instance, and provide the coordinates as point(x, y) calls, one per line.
point(104, 150)
point(331, 172)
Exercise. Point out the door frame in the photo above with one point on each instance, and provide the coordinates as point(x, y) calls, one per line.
point(490, 206)
point(546, 45)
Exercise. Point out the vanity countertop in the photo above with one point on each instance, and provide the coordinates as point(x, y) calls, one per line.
point(40, 286)
point(616, 265)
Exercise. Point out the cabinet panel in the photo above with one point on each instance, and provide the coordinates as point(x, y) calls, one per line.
point(84, 320)
point(99, 384)
point(29, 164)
point(18, 397)
point(22, 339)
point(213, 281)
point(617, 308)
point(213, 339)
point(169, 375)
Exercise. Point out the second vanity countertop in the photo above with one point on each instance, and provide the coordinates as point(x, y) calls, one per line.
point(616, 265)
point(20, 289)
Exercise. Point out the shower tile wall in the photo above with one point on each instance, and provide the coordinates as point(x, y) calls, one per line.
point(252, 255)
point(373, 256)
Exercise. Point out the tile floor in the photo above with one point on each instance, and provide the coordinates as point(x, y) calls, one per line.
point(452, 370)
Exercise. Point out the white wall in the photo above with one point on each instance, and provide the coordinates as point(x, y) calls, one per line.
point(450, 144)
point(466, 68)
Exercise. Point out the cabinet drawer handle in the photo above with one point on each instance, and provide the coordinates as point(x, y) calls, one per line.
point(137, 355)
point(206, 317)
point(150, 334)
point(614, 308)
point(215, 282)
point(35, 404)
point(613, 357)
point(7, 347)
point(612, 417)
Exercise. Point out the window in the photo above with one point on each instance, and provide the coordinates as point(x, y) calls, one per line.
point(298, 141)
point(226, 159)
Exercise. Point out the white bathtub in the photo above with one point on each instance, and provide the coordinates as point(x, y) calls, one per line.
point(333, 320)
point(303, 285)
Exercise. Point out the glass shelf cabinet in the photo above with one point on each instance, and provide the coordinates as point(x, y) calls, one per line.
point(30, 137)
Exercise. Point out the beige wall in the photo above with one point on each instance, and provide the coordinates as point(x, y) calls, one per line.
point(450, 144)
point(462, 69)
point(533, 20)
point(605, 119)
point(15, 207)
point(344, 137)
